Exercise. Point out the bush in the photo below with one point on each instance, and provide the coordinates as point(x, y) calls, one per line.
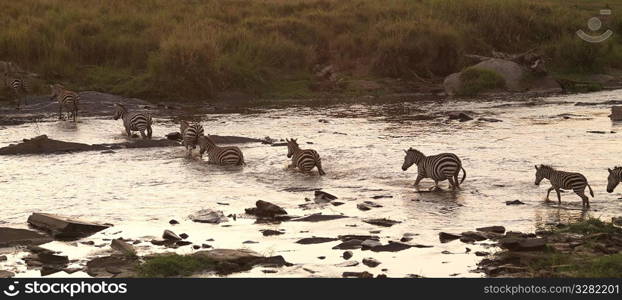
point(475, 81)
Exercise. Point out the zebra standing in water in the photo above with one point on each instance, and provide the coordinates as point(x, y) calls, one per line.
point(305, 159)
point(66, 99)
point(220, 155)
point(18, 86)
point(615, 176)
point(438, 167)
point(563, 180)
point(190, 134)
point(133, 121)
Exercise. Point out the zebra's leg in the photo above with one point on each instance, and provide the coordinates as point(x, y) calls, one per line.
point(318, 164)
point(60, 111)
point(559, 196)
point(584, 199)
point(149, 132)
point(142, 134)
point(128, 132)
point(419, 178)
point(457, 181)
point(452, 183)
point(548, 192)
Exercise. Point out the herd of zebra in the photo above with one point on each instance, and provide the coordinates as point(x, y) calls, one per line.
point(440, 167)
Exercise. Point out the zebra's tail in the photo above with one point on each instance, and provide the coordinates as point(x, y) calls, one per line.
point(591, 192)
point(463, 174)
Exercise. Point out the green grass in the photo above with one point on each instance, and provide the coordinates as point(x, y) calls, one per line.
point(591, 226)
point(194, 49)
point(475, 80)
point(174, 265)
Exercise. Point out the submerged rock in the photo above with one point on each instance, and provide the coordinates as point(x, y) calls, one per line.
point(64, 227)
point(363, 274)
point(18, 237)
point(460, 116)
point(265, 209)
point(6, 274)
point(208, 216)
point(112, 266)
point(515, 202)
point(391, 247)
point(315, 240)
point(319, 217)
point(270, 232)
point(382, 222)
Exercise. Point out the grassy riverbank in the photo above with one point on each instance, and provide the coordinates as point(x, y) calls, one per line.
point(195, 49)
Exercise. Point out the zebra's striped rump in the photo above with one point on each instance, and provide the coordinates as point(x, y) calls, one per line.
point(614, 178)
point(230, 155)
point(67, 99)
point(564, 180)
point(303, 159)
point(18, 86)
point(134, 121)
point(190, 134)
point(444, 166)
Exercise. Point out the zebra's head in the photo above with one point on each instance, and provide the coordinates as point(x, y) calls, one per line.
point(413, 156)
point(614, 178)
point(119, 110)
point(57, 89)
point(543, 171)
point(292, 145)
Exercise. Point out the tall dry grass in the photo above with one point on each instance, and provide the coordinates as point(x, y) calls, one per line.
point(192, 49)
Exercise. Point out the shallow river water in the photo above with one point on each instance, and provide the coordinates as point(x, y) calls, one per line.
point(140, 190)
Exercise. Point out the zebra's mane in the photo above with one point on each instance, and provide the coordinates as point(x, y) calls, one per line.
point(547, 167)
point(617, 167)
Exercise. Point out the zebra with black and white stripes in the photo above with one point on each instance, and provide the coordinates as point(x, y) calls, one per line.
point(438, 167)
point(561, 180)
point(134, 121)
point(229, 155)
point(614, 178)
point(190, 134)
point(19, 88)
point(303, 159)
point(69, 100)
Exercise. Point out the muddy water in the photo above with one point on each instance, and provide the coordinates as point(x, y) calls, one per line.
point(140, 190)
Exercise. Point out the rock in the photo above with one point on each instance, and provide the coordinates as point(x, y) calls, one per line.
point(381, 222)
point(347, 264)
point(196, 247)
point(123, 247)
point(205, 246)
point(406, 239)
point(337, 203)
point(184, 236)
point(367, 205)
point(381, 196)
point(523, 244)
point(36, 249)
point(458, 115)
point(173, 222)
point(183, 243)
point(481, 253)
point(269, 232)
point(315, 240)
point(64, 227)
point(445, 237)
point(347, 255)
point(3, 258)
point(265, 209)
point(363, 207)
point(237, 260)
point(52, 259)
point(319, 218)
point(171, 236)
point(616, 113)
point(515, 202)
point(361, 237)
point(617, 221)
point(370, 243)
point(494, 229)
point(222, 139)
point(174, 136)
point(363, 274)
point(491, 120)
point(6, 274)
point(48, 270)
point(348, 245)
point(371, 262)
point(10, 237)
point(474, 235)
point(162, 242)
point(323, 197)
point(208, 216)
point(321, 257)
point(101, 266)
point(391, 247)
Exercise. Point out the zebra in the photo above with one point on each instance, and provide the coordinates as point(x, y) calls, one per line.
point(19, 88)
point(133, 121)
point(615, 176)
point(190, 134)
point(220, 155)
point(563, 180)
point(66, 99)
point(438, 167)
point(304, 159)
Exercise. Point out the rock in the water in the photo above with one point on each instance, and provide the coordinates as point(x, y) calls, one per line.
point(123, 247)
point(119, 264)
point(184, 236)
point(270, 232)
point(363, 274)
point(391, 247)
point(347, 255)
point(319, 218)
point(265, 209)
point(174, 136)
point(481, 253)
point(445, 237)
point(515, 202)
point(315, 240)
point(52, 259)
point(48, 270)
point(460, 116)
point(617, 221)
point(616, 113)
point(323, 197)
point(347, 264)
point(348, 245)
point(371, 262)
point(208, 216)
point(494, 229)
point(367, 205)
point(17, 237)
point(6, 274)
point(523, 244)
point(64, 227)
point(173, 222)
point(382, 222)
point(370, 243)
point(478, 236)
point(171, 236)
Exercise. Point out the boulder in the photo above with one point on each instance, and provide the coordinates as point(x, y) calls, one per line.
point(391, 247)
point(494, 229)
point(349, 245)
point(10, 237)
point(515, 202)
point(208, 216)
point(218, 139)
point(370, 243)
point(265, 209)
point(6, 274)
point(123, 247)
point(616, 113)
point(371, 262)
point(323, 197)
point(270, 232)
point(523, 244)
point(108, 266)
point(445, 237)
point(478, 236)
point(347, 255)
point(174, 136)
point(170, 236)
point(460, 116)
point(363, 274)
point(64, 227)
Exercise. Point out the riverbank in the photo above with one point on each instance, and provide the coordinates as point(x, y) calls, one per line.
point(197, 51)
